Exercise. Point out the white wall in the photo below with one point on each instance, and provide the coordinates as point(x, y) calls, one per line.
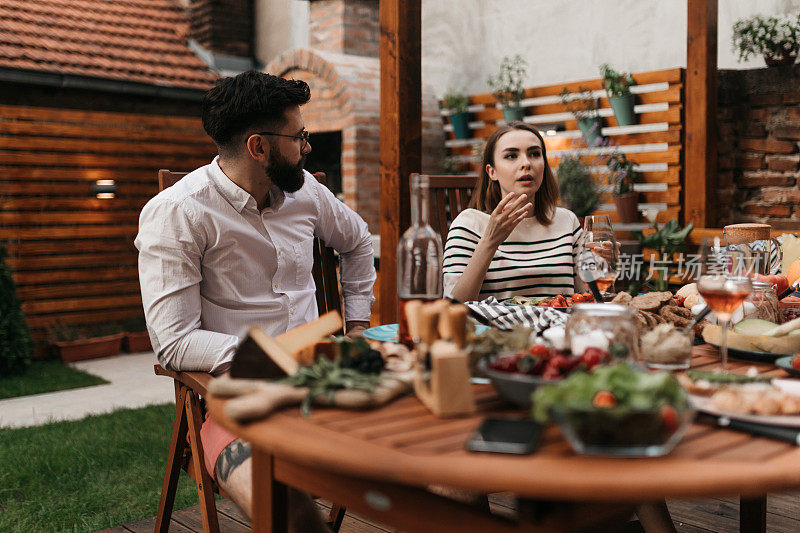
point(463, 41)
point(280, 25)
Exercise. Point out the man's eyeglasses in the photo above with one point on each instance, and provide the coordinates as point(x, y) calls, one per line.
point(303, 136)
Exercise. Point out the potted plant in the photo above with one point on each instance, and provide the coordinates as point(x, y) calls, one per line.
point(665, 242)
point(618, 87)
point(576, 186)
point(507, 86)
point(75, 344)
point(622, 176)
point(136, 339)
point(583, 106)
point(775, 38)
point(456, 103)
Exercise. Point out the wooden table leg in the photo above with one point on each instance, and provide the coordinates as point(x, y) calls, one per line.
point(270, 502)
point(753, 515)
point(655, 517)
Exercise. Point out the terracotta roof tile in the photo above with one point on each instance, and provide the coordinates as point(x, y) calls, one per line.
point(128, 40)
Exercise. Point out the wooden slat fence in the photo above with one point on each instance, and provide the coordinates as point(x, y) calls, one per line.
point(655, 143)
point(72, 254)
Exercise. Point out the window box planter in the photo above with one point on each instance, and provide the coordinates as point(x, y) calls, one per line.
point(79, 350)
point(136, 341)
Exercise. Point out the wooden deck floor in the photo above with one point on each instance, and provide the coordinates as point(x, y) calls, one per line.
point(718, 515)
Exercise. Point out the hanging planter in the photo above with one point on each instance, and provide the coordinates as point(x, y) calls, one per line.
point(457, 104)
point(627, 207)
point(622, 176)
point(512, 113)
point(787, 57)
point(618, 88)
point(583, 106)
point(623, 109)
point(507, 87)
point(460, 123)
point(776, 38)
point(590, 128)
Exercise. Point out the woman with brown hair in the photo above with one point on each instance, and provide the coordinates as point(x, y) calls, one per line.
point(512, 240)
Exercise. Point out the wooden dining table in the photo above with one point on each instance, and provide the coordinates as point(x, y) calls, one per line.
point(382, 463)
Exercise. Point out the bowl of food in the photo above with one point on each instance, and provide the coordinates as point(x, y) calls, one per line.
point(617, 410)
point(666, 347)
point(517, 375)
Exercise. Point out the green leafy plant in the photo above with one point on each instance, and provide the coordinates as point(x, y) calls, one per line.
point(134, 324)
point(770, 36)
point(616, 83)
point(60, 332)
point(326, 377)
point(576, 186)
point(581, 104)
point(455, 101)
point(105, 328)
point(16, 344)
point(666, 242)
point(449, 165)
point(622, 173)
point(506, 85)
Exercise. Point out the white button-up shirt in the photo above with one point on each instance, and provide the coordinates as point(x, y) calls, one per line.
point(211, 264)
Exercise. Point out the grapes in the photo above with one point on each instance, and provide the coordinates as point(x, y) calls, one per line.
point(366, 362)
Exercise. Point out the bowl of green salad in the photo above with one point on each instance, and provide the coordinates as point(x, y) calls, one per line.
point(617, 410)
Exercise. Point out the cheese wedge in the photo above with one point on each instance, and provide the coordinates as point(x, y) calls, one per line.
point(301, 336)
point(712, 334)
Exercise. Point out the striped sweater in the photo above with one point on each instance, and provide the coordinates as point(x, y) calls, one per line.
point(535, 260)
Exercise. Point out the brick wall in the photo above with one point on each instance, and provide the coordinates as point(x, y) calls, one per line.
point(759, 147)
point(345, 26)
point(223, 26)
point(345, 96)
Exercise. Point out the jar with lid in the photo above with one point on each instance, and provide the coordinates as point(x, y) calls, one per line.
point(789, 308)
point(764, 301)
point(610, 327)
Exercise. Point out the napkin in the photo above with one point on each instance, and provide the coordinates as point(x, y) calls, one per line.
point(505, 317)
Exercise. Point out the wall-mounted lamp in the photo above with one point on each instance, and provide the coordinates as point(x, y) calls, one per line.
point(551, 129)
point(104, 189)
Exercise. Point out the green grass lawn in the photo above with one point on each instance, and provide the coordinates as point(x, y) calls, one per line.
point(46, 376)
point(89, 474)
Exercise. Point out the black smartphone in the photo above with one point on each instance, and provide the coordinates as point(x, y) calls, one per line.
point(506, 435)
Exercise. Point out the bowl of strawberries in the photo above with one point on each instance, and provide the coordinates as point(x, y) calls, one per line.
point(516, 376)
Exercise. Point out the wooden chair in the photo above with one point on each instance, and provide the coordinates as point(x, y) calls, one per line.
point(191, 388)
point(449, 195)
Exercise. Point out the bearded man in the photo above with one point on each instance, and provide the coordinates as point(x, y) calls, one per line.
point(231, 246)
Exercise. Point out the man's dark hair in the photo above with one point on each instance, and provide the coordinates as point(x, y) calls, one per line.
point(249, 100)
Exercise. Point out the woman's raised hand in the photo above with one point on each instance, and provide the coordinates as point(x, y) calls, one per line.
point(510, 211)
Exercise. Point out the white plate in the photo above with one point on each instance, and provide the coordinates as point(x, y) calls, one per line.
point(789, 386)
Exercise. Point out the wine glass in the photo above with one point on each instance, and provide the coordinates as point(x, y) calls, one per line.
point(598, 253)
point(722, 286)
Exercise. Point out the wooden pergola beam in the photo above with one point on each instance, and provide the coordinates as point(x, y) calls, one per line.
point(400, 134)
point(700, 169)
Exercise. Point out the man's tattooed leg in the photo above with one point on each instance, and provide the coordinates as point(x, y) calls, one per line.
point(236, 453)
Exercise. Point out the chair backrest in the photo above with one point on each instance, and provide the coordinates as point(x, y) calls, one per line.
point(449, 195)
point(324, 270)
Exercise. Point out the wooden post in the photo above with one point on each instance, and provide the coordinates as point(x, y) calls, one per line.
point(700, 170)
point(400, 134)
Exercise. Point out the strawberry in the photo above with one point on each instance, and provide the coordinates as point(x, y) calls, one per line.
point(540, 350)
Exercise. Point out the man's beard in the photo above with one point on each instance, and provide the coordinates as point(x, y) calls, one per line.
point(287, 177)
